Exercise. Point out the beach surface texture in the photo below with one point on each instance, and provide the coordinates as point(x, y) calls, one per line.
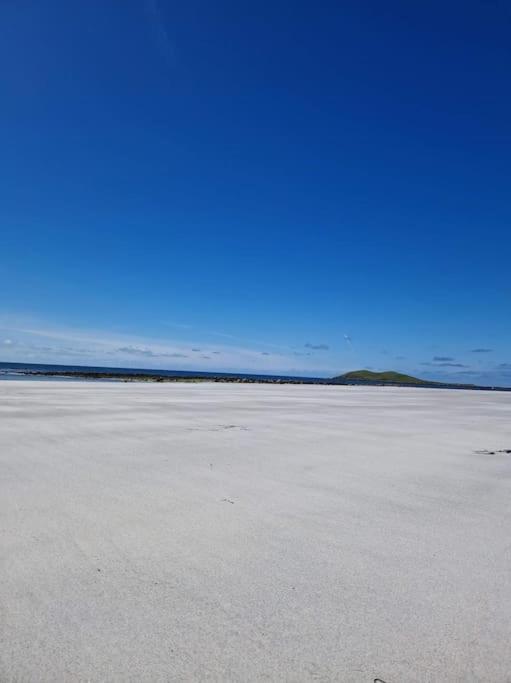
point(222, 532)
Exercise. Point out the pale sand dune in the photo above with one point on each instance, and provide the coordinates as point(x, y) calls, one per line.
point(177, 532)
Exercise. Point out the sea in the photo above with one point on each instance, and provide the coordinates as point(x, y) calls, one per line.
point(23, 371)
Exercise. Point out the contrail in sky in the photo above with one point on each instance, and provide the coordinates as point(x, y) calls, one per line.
point(162, 39)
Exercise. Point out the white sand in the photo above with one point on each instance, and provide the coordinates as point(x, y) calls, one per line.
point(253, 533)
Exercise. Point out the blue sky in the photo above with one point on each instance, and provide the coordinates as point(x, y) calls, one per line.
point(286, 187)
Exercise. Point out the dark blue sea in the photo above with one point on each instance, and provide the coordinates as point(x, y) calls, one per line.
point(23, 371)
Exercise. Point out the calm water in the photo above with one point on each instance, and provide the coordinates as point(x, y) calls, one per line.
point(17, 371)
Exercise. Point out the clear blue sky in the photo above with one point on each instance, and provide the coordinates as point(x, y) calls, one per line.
point(253, 180)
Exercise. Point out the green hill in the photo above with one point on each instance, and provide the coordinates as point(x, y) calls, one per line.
point(388, 376)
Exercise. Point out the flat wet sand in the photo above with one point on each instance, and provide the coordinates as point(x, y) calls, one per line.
point(222, 532)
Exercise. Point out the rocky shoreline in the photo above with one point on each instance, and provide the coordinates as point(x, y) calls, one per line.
point(244, 379)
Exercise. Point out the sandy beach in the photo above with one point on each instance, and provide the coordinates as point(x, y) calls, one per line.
point(220, 532)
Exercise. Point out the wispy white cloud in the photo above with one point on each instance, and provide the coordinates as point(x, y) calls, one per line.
point(244, 340)
point(39, 341)
point(148, 353)
point(206, 333)
point(317, 347)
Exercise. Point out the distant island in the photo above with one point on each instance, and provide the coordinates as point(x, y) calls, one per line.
point(386, 377)
point(353, 378)
point(397, 379)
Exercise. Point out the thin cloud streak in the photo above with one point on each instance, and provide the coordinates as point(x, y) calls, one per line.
point(163, 43)
point(41, 343)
